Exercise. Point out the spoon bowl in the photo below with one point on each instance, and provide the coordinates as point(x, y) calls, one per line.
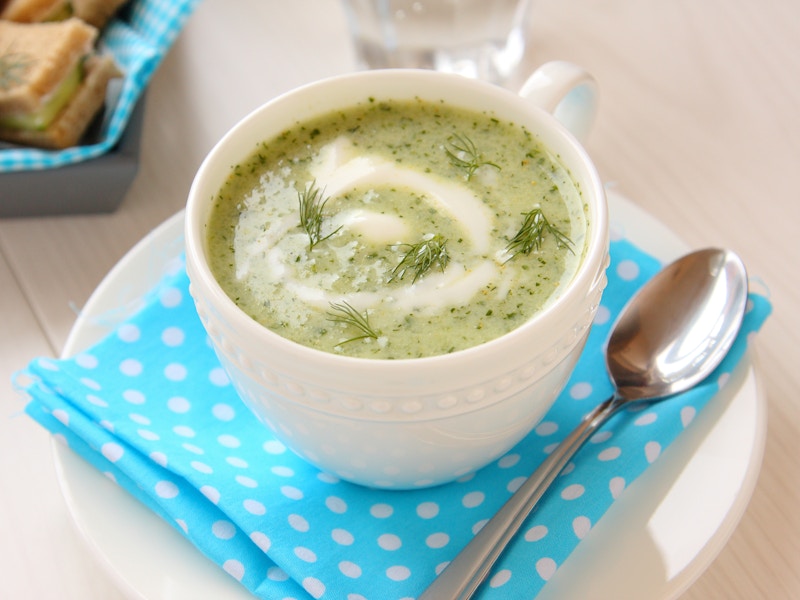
point(672, 334)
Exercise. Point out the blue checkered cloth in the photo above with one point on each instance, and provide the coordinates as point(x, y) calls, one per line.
point(138, 43)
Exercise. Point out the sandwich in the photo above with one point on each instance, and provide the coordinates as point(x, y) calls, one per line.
point(94, 12)
point(52, 82)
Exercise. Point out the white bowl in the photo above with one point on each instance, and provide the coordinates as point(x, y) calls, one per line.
point(399, 423)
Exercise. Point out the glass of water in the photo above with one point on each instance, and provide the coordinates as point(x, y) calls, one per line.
point(483, 39)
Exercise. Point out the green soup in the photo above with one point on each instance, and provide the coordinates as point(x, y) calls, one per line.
point(397, 230)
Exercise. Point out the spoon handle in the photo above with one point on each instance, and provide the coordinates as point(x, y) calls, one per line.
point(469, 568)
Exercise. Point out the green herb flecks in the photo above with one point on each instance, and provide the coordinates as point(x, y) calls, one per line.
point(312, 202)
point(531, 235)
point(12, 68)
point(421, 257)
point(464, 154)
point(343, 312)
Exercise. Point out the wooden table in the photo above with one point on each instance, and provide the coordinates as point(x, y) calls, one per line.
point(698, 125)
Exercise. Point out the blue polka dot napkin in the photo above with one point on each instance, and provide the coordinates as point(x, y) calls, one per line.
point(151, 408)
point(138, 42)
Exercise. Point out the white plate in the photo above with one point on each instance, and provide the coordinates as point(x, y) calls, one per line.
point(652, 543)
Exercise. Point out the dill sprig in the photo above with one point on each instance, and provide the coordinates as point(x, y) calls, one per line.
point(312, 202)
point(12, 67)
point(464, 154)
point(421, 257)
point(343, 312)
point(530, 236)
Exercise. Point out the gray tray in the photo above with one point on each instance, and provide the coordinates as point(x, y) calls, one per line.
point(93, 186)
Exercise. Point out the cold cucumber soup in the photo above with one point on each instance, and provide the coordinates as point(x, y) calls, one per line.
point(397, 229)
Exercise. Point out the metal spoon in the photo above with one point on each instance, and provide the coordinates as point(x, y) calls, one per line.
point(670, 336)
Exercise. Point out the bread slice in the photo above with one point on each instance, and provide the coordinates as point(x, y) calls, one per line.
point(33, 11)
point(49, 53)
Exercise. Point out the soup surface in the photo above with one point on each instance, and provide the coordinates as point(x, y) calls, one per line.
point(397, 230)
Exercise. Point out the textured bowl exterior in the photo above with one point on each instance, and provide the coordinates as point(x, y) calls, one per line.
point(407, 423)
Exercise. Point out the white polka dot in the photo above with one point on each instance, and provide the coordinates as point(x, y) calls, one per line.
point(90, 383)
point(441, 567)
point(166, 489)
point(350, 569)
point(627, 270)
point(109, 426)
point(201, 467)
point(184, 431)
point(602, 315)
point(500, 578)
point(139, 419)
point(234, 568)
point(218, 377)
point(292, 492)
point(515, 483)
point(427, 510)
point(581, 526)
point(261, 540)
point(647, 418)
point(336, 505)
point(687, 415)
point(193, 449)
point(247, 482)
point(276, 574)
point(389, 541)
point(382, 511)
point(274, 447)
point(146, 434)
point(473, 499)
point(723, 379)
point(61, 416)
point(223, 530)
point(172, 336)
point(535, 533)
point(178, 404)
point(508, 461)
point(235, 461)
point(130, 367)
point(652, 450)
point(298, 523)
point(610, 453)
point(182, 524)
point(254, 507)
point(170, 297)
point(600, 437)
point(133, 396)
point(342, 537)
point(211, 493)
point(546, 428)
point(437, 540)
point(96, 401)
point(223, 412)
point(112, 452)
point(86, 361)
point(229, 441)
point(580, 390)
point(616, 486)
point(546, 568)
point(128, 333)
point(159, 458)
point(398, 573)
point(175, 372)
point(478, 526)
point(305, 554)
point(314, 587)
point(327, 478)
point(282, 471)
point(571, 492)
